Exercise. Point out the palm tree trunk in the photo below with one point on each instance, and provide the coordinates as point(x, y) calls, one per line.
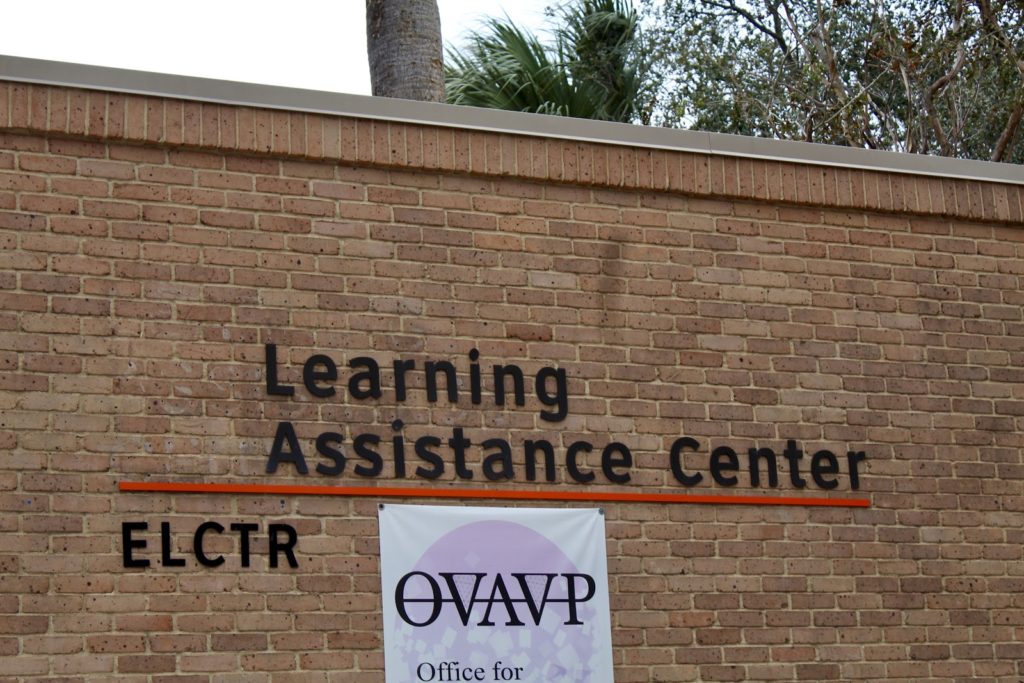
point(403, 43)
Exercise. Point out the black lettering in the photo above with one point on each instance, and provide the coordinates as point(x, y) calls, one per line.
point(794, 455)
point(531, 448)
point(398, 449)
point(423, 446)
point(464, 593)
point(853, 458)
point(435, 590)
point(536, 610)
point(609, 462)
point(499, 589)
point(270, 363)
point(288, 547)
point(376, 465)
point(731, 464)
point(286, 433)
point(570, 585)
point(128, 544)
point(822, 463)
point(768, 455)
point(475, 385)
point(463, 608)
point(560, 398)
point(675, 459)
point(243, 530)
point(570, 462)
point(165, 548)
point(197, 544)
point(502, 458)
point(401, 367)
point(427, 677)
point(518, 384)
point(432, 369)
point(459, 443)
point(310, 375)
point(325, 447)
point(370, 376)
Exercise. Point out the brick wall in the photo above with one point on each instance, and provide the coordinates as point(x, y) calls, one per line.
point(152, 248)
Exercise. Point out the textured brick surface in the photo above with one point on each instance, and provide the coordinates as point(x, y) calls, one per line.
point(150, 248)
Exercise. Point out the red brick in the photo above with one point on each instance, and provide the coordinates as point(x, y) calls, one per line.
point(735, 301)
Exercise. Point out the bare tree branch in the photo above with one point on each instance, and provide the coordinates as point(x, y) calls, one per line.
point(1012, 124)
point(753, 20)
point(941, 82)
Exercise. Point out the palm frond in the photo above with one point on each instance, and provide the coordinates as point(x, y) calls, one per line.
point(589, 72)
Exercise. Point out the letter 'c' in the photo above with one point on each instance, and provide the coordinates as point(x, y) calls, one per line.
point(197, 544)
point(676, 461)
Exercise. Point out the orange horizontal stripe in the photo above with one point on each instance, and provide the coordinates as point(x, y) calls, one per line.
point(492, 494)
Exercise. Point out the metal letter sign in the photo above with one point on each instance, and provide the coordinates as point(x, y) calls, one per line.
point(494, 594)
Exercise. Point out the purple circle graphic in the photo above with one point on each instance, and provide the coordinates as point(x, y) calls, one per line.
point(474, 630)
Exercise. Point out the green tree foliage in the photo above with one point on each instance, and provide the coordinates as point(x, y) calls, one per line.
point(932, 76)
point(593, 68)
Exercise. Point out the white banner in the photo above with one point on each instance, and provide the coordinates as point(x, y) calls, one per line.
point(494, 594)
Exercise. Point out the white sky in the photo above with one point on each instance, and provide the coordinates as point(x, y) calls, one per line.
point(316, 44)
